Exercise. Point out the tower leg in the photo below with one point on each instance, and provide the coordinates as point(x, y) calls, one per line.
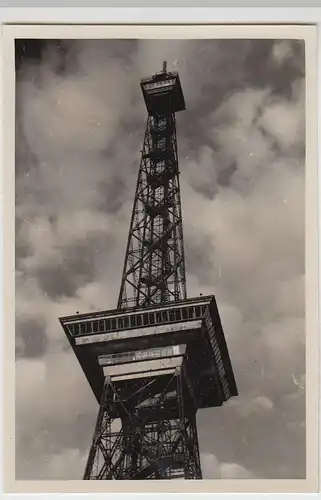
point(156, 436)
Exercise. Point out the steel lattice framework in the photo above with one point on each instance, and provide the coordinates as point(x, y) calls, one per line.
point(159, 442)
point(157, 438)
point(159, 356)
point(154, 268)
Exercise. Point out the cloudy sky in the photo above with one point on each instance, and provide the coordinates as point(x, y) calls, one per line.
point(80, 121)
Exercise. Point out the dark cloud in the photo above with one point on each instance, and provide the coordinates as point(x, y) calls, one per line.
point(32, 340)
point(75, 270)
point(112, 194)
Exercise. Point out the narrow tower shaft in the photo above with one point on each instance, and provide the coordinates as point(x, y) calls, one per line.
point(154, 267)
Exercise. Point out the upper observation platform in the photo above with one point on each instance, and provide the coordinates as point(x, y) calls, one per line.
point(163, 93)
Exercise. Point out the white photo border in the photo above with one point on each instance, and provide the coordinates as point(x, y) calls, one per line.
point(306, 32)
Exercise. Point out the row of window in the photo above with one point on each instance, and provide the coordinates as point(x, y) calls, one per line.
point(217, 355)
point(137, 320)
point(160, 84)
point(140, 355)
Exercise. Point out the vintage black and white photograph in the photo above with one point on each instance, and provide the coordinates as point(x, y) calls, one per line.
point(160, 259)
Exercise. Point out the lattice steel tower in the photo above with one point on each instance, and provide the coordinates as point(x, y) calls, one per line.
point(159, 357)
point(154, 269)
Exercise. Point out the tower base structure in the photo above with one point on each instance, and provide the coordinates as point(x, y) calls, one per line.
point(147, 429)
point(151, 369)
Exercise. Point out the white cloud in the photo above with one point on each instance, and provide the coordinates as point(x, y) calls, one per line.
point(251, 404)
point(282, 118)
point(213, 469)
point(281, 51)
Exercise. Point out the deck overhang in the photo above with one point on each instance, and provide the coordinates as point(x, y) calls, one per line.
point(106, 341)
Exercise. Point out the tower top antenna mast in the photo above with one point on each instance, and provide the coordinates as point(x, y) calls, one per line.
point(164, 66)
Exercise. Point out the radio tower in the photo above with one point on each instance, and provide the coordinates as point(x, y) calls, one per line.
point(159, 357)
